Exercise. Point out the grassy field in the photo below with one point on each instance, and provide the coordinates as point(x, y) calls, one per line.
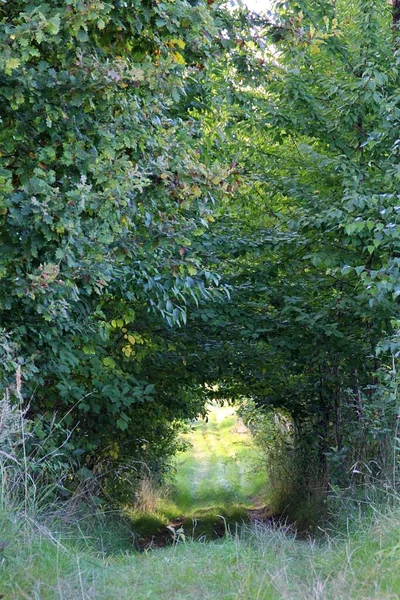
point(217, 481)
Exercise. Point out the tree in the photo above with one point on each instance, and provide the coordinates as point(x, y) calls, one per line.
point(103, 189)
point(308, 239)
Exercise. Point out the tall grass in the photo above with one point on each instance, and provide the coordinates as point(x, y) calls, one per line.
point(258, 562)
point(16, 480)
point(31, 471)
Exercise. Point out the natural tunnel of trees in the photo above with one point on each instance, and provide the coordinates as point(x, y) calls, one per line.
point(194, 196)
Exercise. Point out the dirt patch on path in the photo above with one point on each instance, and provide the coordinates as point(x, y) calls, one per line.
point(204, 527)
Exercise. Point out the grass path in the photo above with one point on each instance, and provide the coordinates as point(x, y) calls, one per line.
point(41, 561)
point(258, 563)
point(221, 467)
point(218, 480)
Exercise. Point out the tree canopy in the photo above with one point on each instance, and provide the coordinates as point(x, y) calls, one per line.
point(200, 202)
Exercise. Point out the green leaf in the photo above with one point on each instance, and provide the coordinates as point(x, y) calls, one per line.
point(53, 25)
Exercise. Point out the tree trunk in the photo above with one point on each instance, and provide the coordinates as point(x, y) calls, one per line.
point(396, 13)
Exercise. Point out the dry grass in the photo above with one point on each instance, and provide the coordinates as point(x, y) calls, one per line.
point(147, 495)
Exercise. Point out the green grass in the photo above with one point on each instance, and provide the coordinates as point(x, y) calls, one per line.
point(256, 563)
point(96, 556)
point(216, 480)
point(221, 467)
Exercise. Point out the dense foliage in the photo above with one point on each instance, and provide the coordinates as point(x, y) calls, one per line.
point(309, 242)
point(157, 156)
point(103, 189)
